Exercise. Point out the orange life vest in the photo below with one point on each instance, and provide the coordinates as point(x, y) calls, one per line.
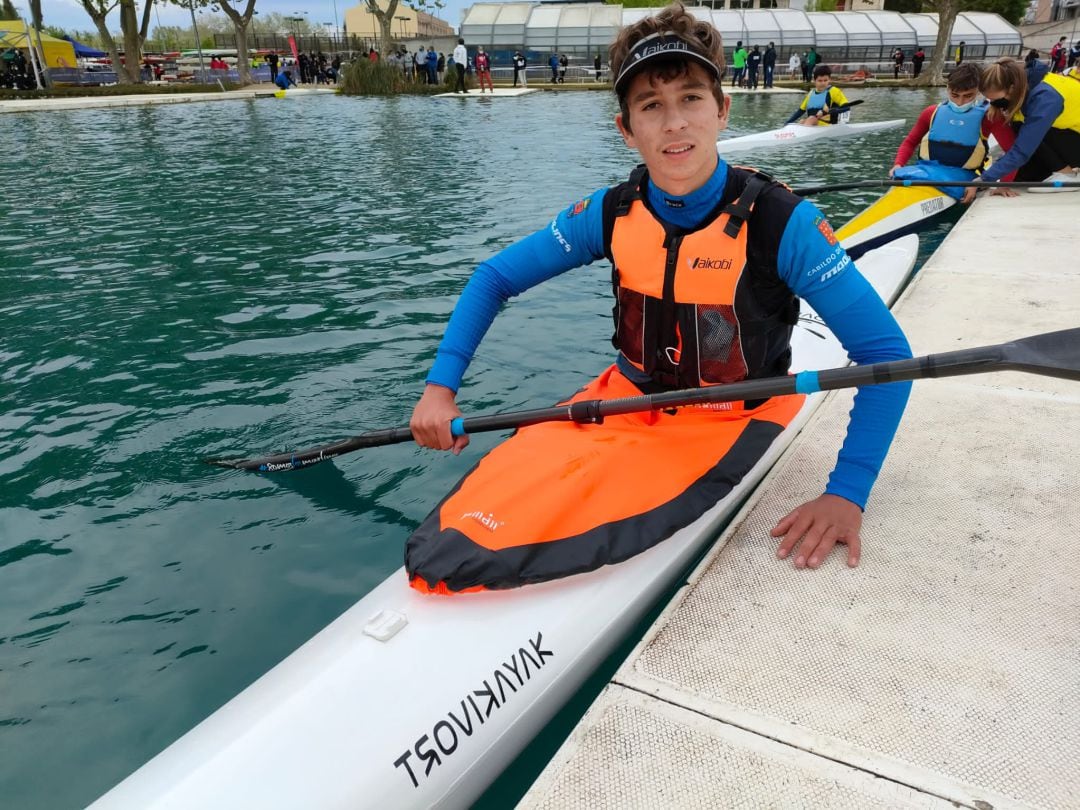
point(686, 310)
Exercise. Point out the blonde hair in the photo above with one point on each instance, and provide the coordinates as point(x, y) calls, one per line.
point(701, 36)
point(1006, 76)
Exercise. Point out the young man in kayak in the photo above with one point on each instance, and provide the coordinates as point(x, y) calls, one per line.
point(1044, 110)
point(950, 138)
point(685, 225)
point(821, 103)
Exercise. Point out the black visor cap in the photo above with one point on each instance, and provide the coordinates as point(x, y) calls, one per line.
point(667, 46)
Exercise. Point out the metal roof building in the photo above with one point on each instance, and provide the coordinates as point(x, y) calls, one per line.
point(848, 36)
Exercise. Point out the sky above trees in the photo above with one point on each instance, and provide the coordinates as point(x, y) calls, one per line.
point(69, 14)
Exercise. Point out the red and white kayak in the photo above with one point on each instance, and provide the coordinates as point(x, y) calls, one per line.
point(417, 701)
point(797, 133)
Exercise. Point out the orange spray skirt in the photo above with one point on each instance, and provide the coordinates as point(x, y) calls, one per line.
point(560, 498)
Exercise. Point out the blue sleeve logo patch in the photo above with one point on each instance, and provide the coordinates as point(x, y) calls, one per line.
point(578, 207)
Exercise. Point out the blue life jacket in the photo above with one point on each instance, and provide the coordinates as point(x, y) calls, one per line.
point(816, 102)
point(955, 139)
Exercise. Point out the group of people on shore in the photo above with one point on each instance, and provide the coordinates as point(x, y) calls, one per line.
point(1061, 58)
point(310, 68)
point(746, 65)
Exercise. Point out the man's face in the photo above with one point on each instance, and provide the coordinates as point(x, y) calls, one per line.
point(821, 82)
point(962, 97)
point(675, 127)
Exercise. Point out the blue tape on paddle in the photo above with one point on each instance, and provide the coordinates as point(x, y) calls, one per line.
point(806, 382)
point(907, 183)
point(457, 427)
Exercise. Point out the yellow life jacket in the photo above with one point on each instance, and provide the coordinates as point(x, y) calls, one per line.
point(1069, 90)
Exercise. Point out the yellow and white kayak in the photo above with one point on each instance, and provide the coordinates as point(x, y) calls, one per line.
point(901, 210)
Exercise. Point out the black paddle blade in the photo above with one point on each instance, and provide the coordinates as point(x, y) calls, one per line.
point(1054, 354)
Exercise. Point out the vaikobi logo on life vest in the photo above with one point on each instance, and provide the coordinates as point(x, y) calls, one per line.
point(488, 521)
point(704, 263)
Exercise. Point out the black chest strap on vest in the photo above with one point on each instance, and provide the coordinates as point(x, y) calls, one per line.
point(739, 210)
point(617, 203)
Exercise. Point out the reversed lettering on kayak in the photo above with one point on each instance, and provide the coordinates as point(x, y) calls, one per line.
point(932, 205)
point(784, 134)
point(488, 521)
point(445, 735)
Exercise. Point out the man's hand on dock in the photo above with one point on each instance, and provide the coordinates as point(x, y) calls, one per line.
point(820, 524)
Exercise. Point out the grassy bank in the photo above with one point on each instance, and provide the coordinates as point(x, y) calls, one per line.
point(366, 78)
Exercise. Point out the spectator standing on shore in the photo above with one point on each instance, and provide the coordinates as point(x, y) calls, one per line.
point(420, 65)
point(483, 70)
point(898, 62)
point(440, 67)
point(812, 60)
point(461, 59)
point(753, 64)
point(564, 63)
point(917, 59)
point(960, 53)
point(519, 69)
point(804, 66)
point(596, 66)
point(738, 64)
point(432, 66)
point(1031, 58)
point(1074, 54)
point(553, 63)
point(794, 66)
point(1058, 56)
point(272, 61)
point(768, 64)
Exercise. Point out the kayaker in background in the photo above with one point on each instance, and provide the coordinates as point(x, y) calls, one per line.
point(821, 103)
point(1044, 110)
point(701, 249)
point(950, 138)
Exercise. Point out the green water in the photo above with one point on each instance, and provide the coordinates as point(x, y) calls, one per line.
point(205, 279)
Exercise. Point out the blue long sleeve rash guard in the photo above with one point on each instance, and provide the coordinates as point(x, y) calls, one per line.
point(814, 269)
point(1041, 108)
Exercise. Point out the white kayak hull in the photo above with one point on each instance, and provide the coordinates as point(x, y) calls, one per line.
point(431, 715)
point(899, 211)
point(799, 134)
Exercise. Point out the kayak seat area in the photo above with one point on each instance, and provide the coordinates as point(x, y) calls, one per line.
point(943, 671)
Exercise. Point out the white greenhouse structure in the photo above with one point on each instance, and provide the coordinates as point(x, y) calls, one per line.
point(583, 30)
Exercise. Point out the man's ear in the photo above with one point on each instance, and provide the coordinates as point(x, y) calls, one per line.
point(627, 135)
point(725, 111)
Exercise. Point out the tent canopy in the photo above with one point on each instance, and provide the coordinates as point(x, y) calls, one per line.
point(84, 51)
point(838, 36)
point(17, 34)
